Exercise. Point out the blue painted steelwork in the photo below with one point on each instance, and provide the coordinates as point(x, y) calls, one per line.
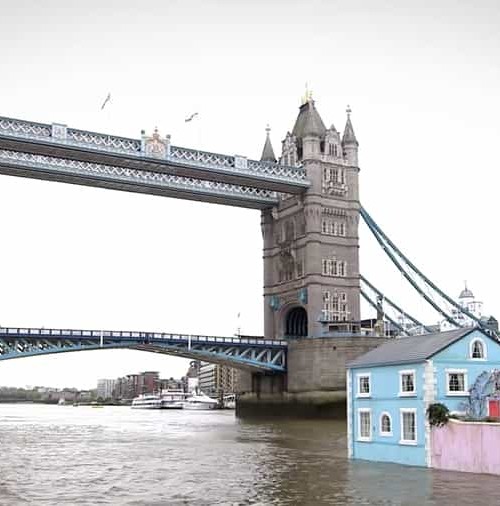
point(379, 298)
point(430, 292)
point(266, 355)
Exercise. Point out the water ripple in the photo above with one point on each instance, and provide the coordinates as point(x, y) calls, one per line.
point(55, 455)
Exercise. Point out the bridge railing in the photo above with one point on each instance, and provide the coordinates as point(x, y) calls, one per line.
point(97, 334)
point(64, 136)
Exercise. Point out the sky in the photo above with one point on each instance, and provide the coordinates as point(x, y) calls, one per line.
point(421, 77)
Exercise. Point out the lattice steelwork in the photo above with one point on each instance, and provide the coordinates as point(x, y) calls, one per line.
point(64, 140)
point(239, 352)
point(241, 195)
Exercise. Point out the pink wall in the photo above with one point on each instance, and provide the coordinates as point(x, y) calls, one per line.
point(467, 446)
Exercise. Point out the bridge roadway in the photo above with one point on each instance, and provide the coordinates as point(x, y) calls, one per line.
point(148, 165)
point(250, 353)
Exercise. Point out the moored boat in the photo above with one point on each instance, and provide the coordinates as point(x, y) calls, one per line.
point(200, 401)
point(173, 399)
point(147, 401)
point(229, 401)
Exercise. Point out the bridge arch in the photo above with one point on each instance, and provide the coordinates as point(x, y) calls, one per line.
point(295, 323)
point(251, 353)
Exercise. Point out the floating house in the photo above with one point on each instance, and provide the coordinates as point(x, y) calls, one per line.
point(390, 388)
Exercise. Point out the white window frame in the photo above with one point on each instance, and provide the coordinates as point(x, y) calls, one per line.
point(358, 390)
point(360, 437)
point(483, 344)
point(381, 432)
point(452, 393)
point(413, 393)
point(410, 442)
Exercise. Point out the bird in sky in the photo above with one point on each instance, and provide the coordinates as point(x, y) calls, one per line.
point(106, 100)
point(190, 118)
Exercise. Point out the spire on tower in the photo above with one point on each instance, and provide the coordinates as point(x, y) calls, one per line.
point(349, 137)
point(268, 152)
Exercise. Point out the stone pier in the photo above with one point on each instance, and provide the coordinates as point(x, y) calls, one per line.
point(315, 385)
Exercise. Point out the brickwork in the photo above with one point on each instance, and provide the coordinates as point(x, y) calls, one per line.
point(319, 364)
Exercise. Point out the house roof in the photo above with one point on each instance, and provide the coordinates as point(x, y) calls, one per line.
point(406, 350)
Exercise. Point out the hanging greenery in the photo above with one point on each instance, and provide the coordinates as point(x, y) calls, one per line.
point(438, 414)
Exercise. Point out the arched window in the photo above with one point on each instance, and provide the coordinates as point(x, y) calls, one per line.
point(477, 349)
point(385, 424)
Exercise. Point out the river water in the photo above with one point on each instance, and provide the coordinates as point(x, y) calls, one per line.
point(61, 455)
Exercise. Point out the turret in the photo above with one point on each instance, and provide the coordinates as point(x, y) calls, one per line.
point(349, 141)
point(309, 129)
point(268, 152)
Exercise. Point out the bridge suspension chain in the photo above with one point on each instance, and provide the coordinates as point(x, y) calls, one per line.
point(415, 277)
point(379, 301)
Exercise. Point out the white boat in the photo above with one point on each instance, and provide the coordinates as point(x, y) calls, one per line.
point(147, 401)
point(229, 401)
point(173, 399)
point(200, 401)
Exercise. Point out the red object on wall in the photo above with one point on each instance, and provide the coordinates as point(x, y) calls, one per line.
point(494, 408)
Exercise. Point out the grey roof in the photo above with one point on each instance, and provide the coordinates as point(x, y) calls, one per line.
point(412, 349)
point(308, 122)
point(268, 152)
point(349, 137)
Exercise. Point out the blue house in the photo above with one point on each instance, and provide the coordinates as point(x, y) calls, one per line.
point(390, 388)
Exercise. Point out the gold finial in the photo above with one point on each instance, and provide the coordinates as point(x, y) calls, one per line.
point(348, 111)
point(268, 129)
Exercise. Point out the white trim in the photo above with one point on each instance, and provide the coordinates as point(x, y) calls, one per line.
point(381, 433)
point(483, 344)
point(358, 377)
point(350, 446)
point(454, 393)
point(430, 393)
point(402, 441)
point(413, 393)
point(360, 437)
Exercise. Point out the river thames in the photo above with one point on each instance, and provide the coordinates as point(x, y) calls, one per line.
point(64, 455)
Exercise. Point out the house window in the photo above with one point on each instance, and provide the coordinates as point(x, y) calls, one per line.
point(364, 425)
point(408, 426)
point(385, 424)
point(456, 382)
point(407, 383)
point(364, 385)
point(478, 349)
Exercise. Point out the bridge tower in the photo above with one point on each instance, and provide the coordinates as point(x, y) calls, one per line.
point(311, 248)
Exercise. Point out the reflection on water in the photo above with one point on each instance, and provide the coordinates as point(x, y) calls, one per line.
point(58, 455)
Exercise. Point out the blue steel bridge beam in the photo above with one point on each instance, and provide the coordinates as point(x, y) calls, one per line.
point(246, 353)
point(80, 145)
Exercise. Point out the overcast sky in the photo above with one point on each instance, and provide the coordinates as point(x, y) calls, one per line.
point(422, 78)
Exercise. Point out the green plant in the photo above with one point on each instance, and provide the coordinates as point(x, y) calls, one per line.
point(438, 414)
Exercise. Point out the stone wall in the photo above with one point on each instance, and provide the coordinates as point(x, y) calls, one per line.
point(315, 384)
point(320, 364)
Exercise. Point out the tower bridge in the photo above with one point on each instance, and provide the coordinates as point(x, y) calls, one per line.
point(310, 209)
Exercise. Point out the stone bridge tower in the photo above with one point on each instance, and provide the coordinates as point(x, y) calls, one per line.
point(311, 260)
